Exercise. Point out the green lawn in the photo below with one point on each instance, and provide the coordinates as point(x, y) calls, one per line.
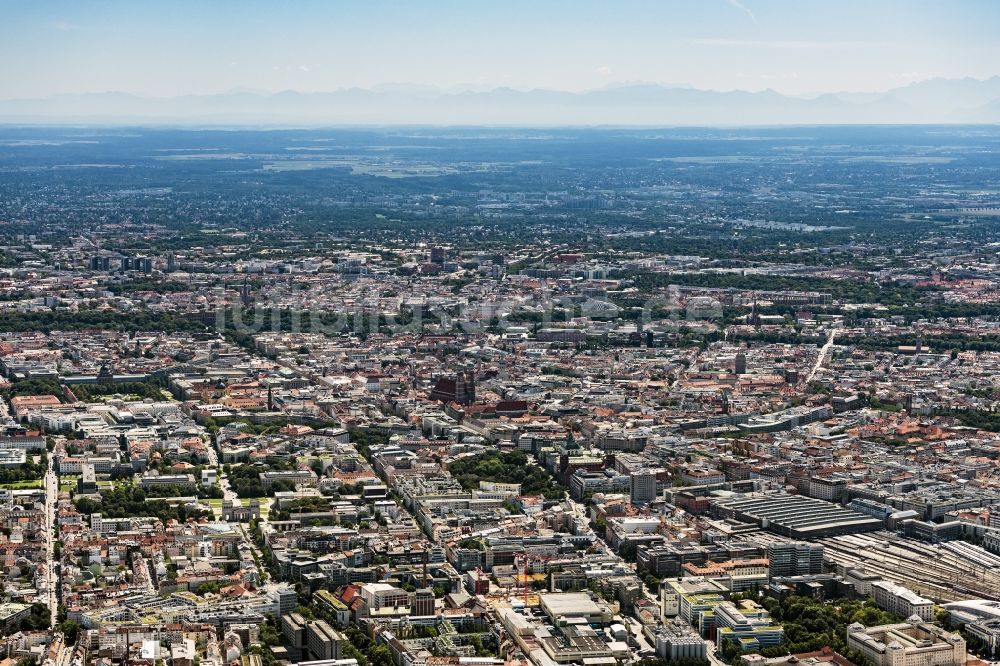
point(20, 485)
point(215, 505)
point(67, 482)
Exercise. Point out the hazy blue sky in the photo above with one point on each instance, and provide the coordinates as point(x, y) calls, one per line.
point(205, 46)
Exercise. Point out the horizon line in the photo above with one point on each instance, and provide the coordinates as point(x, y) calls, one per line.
point(458, 89)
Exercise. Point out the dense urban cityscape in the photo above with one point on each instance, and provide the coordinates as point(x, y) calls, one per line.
point(497, 397)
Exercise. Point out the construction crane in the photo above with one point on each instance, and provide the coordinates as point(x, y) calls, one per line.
point(524, 564)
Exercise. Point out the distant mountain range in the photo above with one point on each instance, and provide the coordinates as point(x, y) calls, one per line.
point(931, 101)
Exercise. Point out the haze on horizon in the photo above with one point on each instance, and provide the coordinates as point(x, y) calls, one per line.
point(198, 48)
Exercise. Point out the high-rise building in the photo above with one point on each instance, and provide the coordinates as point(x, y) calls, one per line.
point(144, 264)
point(246, 295)
point(99, 263)
point(794, 558)
point(643, 486)
point(740, 365)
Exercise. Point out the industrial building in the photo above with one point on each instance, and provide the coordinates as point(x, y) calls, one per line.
point(795, 516)
point(564, 607)
point(677, 640)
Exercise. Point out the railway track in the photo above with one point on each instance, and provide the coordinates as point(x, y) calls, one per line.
point(946, 572)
